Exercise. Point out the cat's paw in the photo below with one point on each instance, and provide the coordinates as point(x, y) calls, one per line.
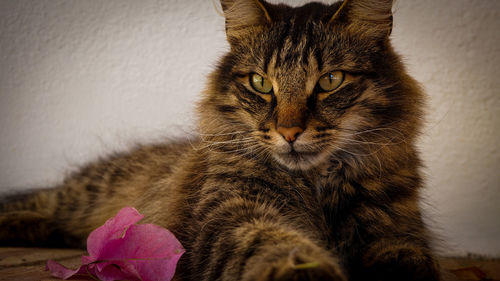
point(297, 267)
point(402, 264)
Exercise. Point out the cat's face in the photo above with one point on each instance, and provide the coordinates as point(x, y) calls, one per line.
point(303, 88)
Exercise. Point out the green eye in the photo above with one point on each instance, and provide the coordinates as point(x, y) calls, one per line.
point(331, 81)
point(260, 84)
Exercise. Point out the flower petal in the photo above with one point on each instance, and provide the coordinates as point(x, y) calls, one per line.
point(114, 228)
point(113, 272)
point(147, 251)
point(60, 271)
point(121, 250)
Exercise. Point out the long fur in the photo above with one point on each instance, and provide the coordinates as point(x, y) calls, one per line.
point(338, 200)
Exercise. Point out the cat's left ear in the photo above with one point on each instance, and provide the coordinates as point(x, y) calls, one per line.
point(372, 18)
point(242, 15)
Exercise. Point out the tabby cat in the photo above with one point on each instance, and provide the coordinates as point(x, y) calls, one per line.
point(305, 167)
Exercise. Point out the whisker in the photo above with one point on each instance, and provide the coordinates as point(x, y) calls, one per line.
point(225, 134)
point(354, 153)
point(246, 148)
point(366, 142)
point(228, 141)
point(224, 143)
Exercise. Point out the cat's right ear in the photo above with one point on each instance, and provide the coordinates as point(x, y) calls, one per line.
point(243, 16)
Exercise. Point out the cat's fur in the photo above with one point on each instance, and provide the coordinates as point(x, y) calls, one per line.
point(242, 202)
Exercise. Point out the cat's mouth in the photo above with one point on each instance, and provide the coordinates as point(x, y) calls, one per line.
point(299, 160)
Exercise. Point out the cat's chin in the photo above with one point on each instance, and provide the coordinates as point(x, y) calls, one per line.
point(300, 160)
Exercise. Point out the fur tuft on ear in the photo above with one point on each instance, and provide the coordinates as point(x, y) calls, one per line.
point(370, 17)
point(243, 14)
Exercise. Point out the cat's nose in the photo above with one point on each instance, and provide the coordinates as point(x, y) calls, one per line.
point(290, 134)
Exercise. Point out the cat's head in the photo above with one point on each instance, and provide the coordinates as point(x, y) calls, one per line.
point(305, 85)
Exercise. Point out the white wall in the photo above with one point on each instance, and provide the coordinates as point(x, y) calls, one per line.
point(82, 78)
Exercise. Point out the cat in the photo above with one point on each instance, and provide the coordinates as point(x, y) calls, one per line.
point(305, 167)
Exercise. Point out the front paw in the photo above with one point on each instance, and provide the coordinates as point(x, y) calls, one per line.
point(297, 267)
point(400, 264)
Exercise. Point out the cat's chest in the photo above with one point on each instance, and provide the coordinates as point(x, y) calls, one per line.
point(326, 179)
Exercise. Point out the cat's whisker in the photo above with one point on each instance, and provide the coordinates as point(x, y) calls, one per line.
point(223, 143)
point(227, 150)
point(225, 134)
point(351, 152)
point(375, 131)
point(352, 140)
point(251, 150)
point(356, 131)
point(229, 141)
point(352, 136)
point(236, 151)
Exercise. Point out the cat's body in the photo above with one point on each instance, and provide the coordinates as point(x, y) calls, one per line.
point(290, 168)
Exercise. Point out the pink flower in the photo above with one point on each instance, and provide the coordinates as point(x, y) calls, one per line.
point(124, 250)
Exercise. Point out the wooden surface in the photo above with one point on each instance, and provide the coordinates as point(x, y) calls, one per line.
point(29, 264)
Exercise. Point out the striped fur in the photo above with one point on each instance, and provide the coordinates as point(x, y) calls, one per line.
point(341, 203)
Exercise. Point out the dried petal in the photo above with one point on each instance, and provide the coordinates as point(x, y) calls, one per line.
point(60, 271)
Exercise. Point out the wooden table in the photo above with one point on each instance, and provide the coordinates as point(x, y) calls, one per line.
point(29, 264)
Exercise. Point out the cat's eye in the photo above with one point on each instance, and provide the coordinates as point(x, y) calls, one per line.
point(260, 84)
point(331, 81)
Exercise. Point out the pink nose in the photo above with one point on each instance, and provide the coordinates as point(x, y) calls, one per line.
point(290, 134)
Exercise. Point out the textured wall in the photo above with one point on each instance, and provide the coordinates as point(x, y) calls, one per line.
point(83, 78)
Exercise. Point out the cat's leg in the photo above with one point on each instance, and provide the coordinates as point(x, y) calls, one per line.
point(395, 244)
point(245, 240)
point(28, 220)
point(50, 217)
point(397, 259)
point(64, 215)
point(281, 254)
